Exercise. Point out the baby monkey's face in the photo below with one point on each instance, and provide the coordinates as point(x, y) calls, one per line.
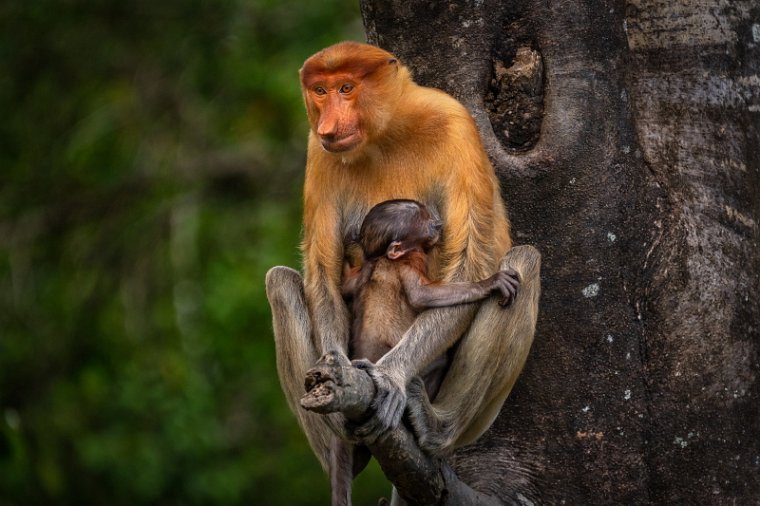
point(399, 226)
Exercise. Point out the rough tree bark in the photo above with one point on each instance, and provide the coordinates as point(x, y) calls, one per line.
point(627, 139)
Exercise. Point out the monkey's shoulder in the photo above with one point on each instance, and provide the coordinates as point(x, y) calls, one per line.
point(437, 103)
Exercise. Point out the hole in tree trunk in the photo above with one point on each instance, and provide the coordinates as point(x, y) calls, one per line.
point(515, 99)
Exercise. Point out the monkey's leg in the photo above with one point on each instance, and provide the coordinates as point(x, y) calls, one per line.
point(485, 366)
point(296, 353)
point(341, 471)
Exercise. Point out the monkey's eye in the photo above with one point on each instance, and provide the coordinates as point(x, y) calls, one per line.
point(320, 90)
point(346, 88)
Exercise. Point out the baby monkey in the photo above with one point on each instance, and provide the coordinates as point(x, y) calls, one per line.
point(386, 292)
point(391, 286)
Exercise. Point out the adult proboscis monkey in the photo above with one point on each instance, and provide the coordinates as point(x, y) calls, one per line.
point(376, 135)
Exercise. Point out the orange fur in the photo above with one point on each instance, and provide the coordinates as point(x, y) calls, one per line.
point(416, 143)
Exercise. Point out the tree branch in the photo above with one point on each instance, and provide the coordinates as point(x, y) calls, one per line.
point(334, 385)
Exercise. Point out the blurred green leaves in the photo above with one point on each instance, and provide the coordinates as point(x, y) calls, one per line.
point(151, 158)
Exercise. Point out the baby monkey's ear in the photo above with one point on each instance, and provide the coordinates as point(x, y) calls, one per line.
point(396, 250)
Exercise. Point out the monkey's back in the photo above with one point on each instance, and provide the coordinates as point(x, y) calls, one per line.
point(382, 313)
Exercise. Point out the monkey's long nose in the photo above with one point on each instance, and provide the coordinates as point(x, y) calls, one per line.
point(327, 128)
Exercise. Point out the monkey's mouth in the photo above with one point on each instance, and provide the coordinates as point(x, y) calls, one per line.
point(341, 144)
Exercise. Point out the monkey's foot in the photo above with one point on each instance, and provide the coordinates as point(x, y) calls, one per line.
point(334, 385)
point(427, 428)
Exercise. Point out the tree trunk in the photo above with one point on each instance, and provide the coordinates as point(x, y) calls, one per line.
point(627, 140)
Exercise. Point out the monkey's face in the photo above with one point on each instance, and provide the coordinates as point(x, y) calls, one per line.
point(346, 88)
point(332, 101)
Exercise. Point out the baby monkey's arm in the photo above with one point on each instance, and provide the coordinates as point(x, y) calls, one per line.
point(422, 293)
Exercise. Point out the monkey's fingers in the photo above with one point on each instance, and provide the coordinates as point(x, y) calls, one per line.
point(508, 293)
point(387, 406)
point(512, 273)
point(387, 416)
point(509, 287)
point(507, 290)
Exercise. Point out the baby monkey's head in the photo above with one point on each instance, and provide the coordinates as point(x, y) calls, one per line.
point(396, 227)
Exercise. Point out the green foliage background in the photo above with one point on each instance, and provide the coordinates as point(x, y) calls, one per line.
point(151, 159)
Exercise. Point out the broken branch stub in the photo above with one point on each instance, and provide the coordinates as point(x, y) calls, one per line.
point(334, 385)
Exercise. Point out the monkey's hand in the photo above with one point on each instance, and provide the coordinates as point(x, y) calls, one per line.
point(387, 407)
point(506, 283)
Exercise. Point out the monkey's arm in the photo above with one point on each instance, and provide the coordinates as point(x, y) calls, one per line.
point(423, 294)
point(323, 260)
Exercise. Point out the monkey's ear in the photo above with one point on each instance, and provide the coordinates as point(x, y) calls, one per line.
point(396, 250)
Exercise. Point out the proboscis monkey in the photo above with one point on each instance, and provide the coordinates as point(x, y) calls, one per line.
point(387, 291)
point(376, 135)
